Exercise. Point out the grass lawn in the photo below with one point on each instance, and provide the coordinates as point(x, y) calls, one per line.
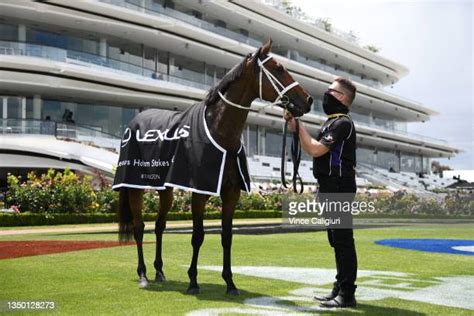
point(104, 281)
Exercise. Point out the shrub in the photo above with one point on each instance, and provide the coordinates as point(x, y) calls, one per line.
point(107, 200)
point(56, 192)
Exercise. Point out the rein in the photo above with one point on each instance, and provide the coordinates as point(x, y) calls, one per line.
point(295, 157)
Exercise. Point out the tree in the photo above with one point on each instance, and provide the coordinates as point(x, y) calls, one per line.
point(372, 48)
point(326, 23)
point(438, 168)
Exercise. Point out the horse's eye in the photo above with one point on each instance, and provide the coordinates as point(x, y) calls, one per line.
point(280, 68)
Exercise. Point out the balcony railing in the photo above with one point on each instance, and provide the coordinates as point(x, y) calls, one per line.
point(403, 133)
point(153, 8)
point(61, 130)
point(83, 58)
point(316, 64)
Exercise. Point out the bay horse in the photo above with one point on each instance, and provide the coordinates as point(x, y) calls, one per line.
point(259, 75)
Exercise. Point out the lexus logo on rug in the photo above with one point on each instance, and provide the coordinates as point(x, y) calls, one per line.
point(154, 135)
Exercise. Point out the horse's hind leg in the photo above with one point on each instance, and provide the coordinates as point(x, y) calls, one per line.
point(136, 204)
point(229, 197)
point(166, 201)
point(198, 206)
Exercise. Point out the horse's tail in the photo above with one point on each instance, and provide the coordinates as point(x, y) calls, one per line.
point(125, 216)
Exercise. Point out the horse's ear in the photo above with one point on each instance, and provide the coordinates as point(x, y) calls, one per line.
point(252, 61)
point(267, 47)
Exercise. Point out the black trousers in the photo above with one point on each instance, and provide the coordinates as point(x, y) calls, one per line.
point(342, 239)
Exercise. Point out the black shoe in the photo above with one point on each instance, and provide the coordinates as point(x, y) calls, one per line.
point(327, 297)
point(340, 301)
point(330, 296)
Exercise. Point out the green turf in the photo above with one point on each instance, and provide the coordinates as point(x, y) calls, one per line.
point(103, 281)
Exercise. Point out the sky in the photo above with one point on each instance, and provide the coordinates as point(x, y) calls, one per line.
point(434, 39)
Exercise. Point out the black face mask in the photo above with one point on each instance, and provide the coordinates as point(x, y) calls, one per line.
point(332, 105)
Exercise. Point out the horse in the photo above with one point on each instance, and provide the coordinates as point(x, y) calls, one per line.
point(227, 105)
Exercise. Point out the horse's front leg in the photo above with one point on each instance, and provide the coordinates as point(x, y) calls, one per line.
point(136, 203)
point(198, 205)
point(166, 202)
point(230, 197)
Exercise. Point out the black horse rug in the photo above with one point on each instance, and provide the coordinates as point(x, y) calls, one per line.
point(163, 148)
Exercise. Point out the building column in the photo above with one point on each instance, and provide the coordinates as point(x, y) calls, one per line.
point(22, 37)
point(23, 115)
point(37, 104)
point(5, 113)
point(247, 139)
point(170, 70)
point(5, 107)
point(421, 157)
point(371, 118)
point(261, 140)
point(21, 33)
point(23, 108)
point(399, 158)
point(103, 47)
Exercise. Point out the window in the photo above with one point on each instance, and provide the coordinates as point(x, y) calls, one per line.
point(14, 108)
point(253, 141)
point(220, 23)
point(8, 32)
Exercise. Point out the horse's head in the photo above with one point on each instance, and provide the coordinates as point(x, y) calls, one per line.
point(275, 84)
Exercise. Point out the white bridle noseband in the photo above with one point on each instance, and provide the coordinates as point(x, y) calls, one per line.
point(272, 79)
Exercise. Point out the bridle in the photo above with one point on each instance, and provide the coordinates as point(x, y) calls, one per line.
point(281, 100)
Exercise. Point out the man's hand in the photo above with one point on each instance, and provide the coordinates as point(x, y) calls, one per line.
point(291, 121)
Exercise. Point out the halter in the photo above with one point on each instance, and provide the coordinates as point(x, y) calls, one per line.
point(280, 99)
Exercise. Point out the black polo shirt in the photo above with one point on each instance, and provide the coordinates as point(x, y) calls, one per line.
point(337, 133)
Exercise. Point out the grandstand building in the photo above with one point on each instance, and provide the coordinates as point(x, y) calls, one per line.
point(74, 73)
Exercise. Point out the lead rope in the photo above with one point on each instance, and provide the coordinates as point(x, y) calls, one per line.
point(295, 157)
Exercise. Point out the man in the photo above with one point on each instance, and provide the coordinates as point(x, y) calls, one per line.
point(334, 152)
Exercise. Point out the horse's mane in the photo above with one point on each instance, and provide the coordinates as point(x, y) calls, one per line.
point(222, 86)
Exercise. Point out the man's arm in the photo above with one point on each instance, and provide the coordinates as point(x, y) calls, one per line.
point(309, 144)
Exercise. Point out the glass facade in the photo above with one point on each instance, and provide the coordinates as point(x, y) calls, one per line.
point(411, 163)
point(103, 118)
point(110, 52)
point(107, 119)
point(8, 32)
point(397, 160)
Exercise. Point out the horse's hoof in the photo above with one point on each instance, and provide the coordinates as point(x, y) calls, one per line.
point(143, 282)
point(193, 291)
point(233, 292)
point(160, 277)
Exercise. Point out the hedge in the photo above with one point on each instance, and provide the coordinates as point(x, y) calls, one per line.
point(31, 219)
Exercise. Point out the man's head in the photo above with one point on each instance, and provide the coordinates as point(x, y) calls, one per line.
point(343, 90)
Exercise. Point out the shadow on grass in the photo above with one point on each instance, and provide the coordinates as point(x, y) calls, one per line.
point(217, 292)
point(209, 291)
point(367, 309)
